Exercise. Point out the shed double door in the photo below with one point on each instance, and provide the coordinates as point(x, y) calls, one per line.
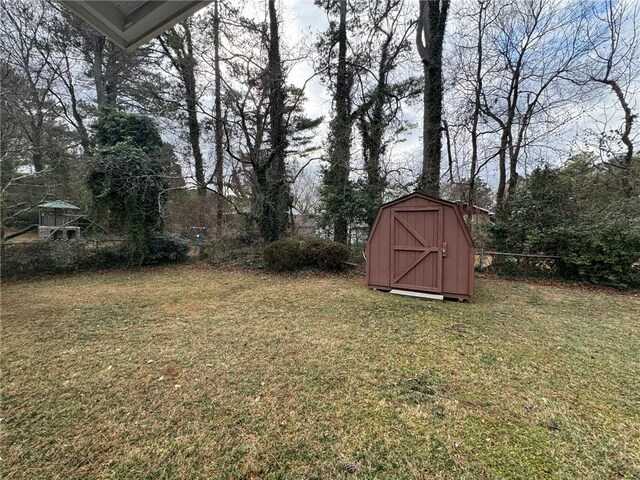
point(417, 248)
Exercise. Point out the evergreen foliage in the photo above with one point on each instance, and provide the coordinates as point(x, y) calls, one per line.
point(167, 249)
point(577, 213)
point(305, 252)
point(126, 177)
point(606, 254)
point(283, 255)
point(115, 126)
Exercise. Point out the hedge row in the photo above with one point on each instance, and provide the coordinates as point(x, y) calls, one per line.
point(30, 259)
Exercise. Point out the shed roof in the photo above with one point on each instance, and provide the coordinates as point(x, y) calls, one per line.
point(456, 208)
point(419, 194)
point(58, 204)
point(129, 24)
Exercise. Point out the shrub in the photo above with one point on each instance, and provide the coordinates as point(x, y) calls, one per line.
point(296, 253)
point(109, 257)
point(23, 260)
point(507, 267)
point(323, 254)
point(234, 252)
point(166, 249)
point(283, 255)
point(604, 254)
point(115, 126)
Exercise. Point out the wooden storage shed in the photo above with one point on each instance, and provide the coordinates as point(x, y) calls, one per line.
point(421, 246)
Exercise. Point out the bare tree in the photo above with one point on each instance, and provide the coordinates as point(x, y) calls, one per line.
point(35, 144)
point(466, 124)
point(536, 43)
point(614, 63)
point(304, 192)
point(23, 33)
point(246, 100)
point(64, 64)
point(475, 117)
point(119, 79)
point(264, 125)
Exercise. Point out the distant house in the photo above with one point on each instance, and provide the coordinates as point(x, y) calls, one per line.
point(478, 214)
point(58, 220)
point(358, 233)
point(307, 226)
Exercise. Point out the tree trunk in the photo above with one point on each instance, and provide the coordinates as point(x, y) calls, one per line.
point(430, 36)
point(98, 76)
point(372, 148)
point(513, 177)
point(188, 73)
point(194, 131)
point(429, 181)
point(85, 141)
point(67, 79)
point(625, 137)
point(276, 197)
point(83, 134)
point(477, 105)
point(112, 75)
point(218, 170)
point(341, 135)
point(179, 49)
point(502, 168)
point(37, 156)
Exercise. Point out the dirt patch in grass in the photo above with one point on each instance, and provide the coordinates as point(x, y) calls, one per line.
point(193, 372)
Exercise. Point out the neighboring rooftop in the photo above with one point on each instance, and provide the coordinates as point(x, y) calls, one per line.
point(58, 204)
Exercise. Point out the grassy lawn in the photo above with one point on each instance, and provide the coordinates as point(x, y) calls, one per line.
point(198, 373)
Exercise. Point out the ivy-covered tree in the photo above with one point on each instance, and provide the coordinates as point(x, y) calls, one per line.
point(430, 39)
point(115, 126)
point(126, 177)
point(337, 187)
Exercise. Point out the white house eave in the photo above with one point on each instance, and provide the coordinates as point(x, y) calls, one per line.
point(130, 24)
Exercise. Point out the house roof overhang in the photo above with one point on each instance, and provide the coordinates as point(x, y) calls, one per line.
point(131, 23)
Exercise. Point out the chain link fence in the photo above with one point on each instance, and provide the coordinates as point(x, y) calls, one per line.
point(517, 265)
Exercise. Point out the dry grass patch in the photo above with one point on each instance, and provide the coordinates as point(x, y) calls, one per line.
point(197, 373)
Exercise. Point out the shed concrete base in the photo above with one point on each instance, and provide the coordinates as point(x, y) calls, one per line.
point(428, 296)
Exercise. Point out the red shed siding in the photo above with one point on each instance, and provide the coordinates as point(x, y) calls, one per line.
point(456, 264)
point(379, 265)
point(421, 243)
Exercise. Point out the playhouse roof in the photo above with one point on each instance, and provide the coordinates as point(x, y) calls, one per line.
point(58, 204)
